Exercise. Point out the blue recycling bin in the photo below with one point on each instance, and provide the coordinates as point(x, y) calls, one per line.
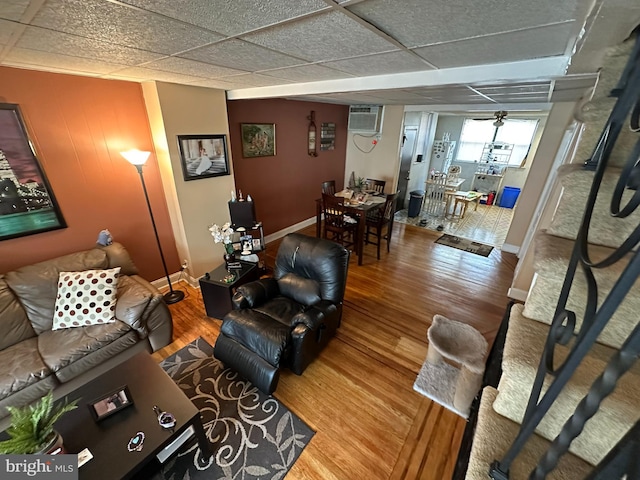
point(415, 203)
point(509, 197)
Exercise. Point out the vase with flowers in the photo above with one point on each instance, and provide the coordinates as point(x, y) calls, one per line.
point(223, 235)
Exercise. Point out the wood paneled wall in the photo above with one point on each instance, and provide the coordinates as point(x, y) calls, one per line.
point(284, 187)
point(78, 126)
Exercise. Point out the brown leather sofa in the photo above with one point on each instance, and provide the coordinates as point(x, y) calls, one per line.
point(35, 359)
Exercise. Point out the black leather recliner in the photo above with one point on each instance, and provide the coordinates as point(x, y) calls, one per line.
point(286, 320)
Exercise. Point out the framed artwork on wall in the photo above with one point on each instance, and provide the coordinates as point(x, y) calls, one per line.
point(203, 156)
point(258, 139)
point(27, 203)
point(328, 136)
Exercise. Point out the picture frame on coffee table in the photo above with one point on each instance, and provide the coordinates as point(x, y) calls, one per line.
point(110, 403)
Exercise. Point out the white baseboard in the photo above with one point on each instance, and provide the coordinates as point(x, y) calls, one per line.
point(517, 294)
point(176, 277)
point(291, 229)
point(510, 248)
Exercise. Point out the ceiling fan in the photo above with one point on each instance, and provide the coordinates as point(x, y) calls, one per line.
point(497, 116)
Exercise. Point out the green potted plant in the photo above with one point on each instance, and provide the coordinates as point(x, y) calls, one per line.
point(31, 429)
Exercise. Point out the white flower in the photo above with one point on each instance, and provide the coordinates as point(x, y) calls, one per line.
point(221, 235)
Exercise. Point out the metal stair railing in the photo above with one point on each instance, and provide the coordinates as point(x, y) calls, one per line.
point(562, 330)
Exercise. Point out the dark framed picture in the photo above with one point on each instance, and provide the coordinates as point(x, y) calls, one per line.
point(203, 156)
point(258, 139)
point(246, 242)
point(328, 136)
point(110, 403)
point(28, 205)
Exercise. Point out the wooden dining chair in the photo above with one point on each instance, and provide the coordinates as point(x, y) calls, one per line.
point(377, 185)
point(436, 199)
point(329, 187)
point(380, 218)
point(338, 225)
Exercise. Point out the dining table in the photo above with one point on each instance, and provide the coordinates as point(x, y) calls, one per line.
point(357, 210)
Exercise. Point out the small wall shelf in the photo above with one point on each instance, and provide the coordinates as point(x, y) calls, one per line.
point(496, 152)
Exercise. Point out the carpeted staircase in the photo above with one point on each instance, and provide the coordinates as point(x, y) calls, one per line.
point(502, 410)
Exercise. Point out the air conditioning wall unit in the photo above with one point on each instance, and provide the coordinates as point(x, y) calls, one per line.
point(365, 118)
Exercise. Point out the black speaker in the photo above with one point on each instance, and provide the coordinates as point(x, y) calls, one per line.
point(243, 214)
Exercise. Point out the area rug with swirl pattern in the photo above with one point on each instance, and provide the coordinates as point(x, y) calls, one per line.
point(252, 435)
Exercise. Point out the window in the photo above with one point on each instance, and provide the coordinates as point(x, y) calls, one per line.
point(476, 133)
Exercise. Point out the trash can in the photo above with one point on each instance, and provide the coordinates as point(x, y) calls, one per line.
point(509, 197)
point(415, 203)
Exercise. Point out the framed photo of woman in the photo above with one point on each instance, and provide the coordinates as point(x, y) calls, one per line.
point(203, 156)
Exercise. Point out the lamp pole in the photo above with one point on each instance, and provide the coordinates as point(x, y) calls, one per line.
point(138, 159)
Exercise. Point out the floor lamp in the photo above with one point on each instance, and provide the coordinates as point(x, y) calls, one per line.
point(138, 158)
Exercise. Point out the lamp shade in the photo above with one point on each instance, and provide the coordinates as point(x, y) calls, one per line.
point(136, 157)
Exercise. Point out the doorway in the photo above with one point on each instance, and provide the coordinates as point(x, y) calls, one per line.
point(409, 138)
point(489, 221)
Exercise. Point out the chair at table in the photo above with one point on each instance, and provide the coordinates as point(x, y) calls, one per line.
point(436, 200)
point(329, 187)
point(379, 219)
point(377, 185)
point(338, 224)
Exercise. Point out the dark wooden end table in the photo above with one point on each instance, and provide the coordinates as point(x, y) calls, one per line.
point(108, 439)
point(217, 294)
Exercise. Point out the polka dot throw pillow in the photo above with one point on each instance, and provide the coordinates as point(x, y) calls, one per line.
point(86, 298)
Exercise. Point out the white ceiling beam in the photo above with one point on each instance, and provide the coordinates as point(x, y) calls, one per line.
point(526, 70)
point(487, 107)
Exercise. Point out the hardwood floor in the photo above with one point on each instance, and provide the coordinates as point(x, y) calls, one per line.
point(358, 394)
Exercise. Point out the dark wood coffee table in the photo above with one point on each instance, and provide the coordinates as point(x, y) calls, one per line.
point(107, 439)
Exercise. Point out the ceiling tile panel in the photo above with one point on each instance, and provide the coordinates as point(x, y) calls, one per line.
point(13, 9)
point(529, 87)
point(6, 30)
point(307, 73)
point(578, 81)
point(192, 67)
point(44, 40)
point(241, 55)
point(328, 36)
point(380, 64)
point(506, 47)
point(220, 84)
point(256, 80)
point(121, 25)
point(415, 24)
point(147, 74)
point(231, 17)
point(35, 58)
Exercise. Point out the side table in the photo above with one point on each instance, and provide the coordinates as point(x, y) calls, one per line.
point(217, 293)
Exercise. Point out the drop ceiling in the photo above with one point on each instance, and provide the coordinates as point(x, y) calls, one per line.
point(475, 53)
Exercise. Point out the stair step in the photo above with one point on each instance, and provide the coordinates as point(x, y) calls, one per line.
point(550, 262)
point(493, 437)
point(523, 349)
point(605, 230)
point(595, 113)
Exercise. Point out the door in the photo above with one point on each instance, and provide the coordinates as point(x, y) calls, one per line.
point(406, 156)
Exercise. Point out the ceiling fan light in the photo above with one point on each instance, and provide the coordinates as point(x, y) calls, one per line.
point(498, 123)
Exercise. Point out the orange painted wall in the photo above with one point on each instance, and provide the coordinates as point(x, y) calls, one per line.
point(284, 187)
point(78, 126)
